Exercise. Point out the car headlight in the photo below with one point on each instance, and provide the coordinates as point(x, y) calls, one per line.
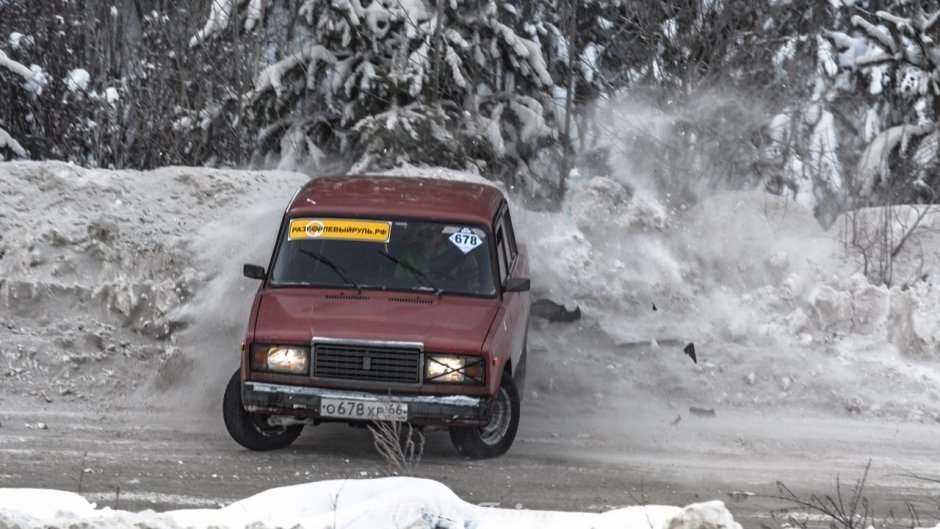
point(292, 359)
point(453, 369)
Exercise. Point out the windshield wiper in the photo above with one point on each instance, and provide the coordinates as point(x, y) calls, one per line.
point(414, 271)
point(335, 267)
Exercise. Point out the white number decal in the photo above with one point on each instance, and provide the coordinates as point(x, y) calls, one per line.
point(466, 240)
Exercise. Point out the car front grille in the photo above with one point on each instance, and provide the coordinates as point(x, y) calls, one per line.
point(370, 363)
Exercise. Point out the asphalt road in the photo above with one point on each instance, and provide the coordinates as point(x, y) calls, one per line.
point(134, 457)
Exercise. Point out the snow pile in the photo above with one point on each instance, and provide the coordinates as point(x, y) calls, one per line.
point(774, 303)
point(351, 504)
point(94, 264)
point(134, 281)
point(620, 254)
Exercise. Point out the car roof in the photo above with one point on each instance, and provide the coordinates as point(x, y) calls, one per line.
point(397, 197)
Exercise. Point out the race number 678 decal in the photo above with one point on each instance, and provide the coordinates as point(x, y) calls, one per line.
point(466, 240)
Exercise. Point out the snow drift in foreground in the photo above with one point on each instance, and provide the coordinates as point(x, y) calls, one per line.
point(393, 503)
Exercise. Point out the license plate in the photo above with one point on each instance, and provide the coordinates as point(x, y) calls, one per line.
point(369, 411)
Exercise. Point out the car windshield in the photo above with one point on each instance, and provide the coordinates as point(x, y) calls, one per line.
point(441, 257)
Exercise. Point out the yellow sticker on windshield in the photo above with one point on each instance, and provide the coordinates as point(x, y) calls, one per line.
point(341, 229)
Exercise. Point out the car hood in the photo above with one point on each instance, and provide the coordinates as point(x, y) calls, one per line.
point(448, 323)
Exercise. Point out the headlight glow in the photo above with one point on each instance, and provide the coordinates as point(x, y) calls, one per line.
point(453, 369)
point(280, 358)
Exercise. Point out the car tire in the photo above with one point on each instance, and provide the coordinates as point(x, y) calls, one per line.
point(251, 429)
point(495, 438)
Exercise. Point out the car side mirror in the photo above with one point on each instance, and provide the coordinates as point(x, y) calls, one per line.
point(253, 271)
point(517, 284)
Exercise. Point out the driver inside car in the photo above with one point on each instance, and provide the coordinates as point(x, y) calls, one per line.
point(429, 250)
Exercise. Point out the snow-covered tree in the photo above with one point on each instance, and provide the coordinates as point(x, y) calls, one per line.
point(898, 54)
point(387, 82)
point(682, 91)
point(195, 92)
point(120, 86)
point(31, 81)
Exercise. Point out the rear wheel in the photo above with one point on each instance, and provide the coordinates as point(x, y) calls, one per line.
point(495, 438)
point(252, 430)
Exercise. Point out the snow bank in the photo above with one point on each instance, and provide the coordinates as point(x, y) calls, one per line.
point(133, 280)
point(95, 265)
point(774, 303)
point(351, 504)
point(621, 254)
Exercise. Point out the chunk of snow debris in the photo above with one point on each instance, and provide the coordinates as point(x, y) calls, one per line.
point(114, 11)
point(111, 95)
point(554, 312)
point(854, 405)
point(77, 79)
point(751, 378)
point(739, 496)
point(690, 352)
point(37, 81)
point(702, 412)
point(15, 39)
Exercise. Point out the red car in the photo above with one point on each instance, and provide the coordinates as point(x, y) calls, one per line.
point(387, 299)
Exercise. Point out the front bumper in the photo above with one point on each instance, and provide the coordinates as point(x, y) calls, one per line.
point(304, 401)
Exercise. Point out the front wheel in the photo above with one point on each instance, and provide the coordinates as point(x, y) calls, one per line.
point(495, 438)
point(252, 430)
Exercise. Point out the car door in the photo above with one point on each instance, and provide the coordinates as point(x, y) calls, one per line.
point(512, 264)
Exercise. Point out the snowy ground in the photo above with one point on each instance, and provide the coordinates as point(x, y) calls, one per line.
point(124, 290)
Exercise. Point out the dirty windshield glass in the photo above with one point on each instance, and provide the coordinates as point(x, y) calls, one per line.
point(385, 254)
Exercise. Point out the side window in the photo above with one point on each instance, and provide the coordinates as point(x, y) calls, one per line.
point(501, 255)
point(510, 236)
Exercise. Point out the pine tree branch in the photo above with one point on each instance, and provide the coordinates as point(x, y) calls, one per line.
point(929, 22)
point(877, 35)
